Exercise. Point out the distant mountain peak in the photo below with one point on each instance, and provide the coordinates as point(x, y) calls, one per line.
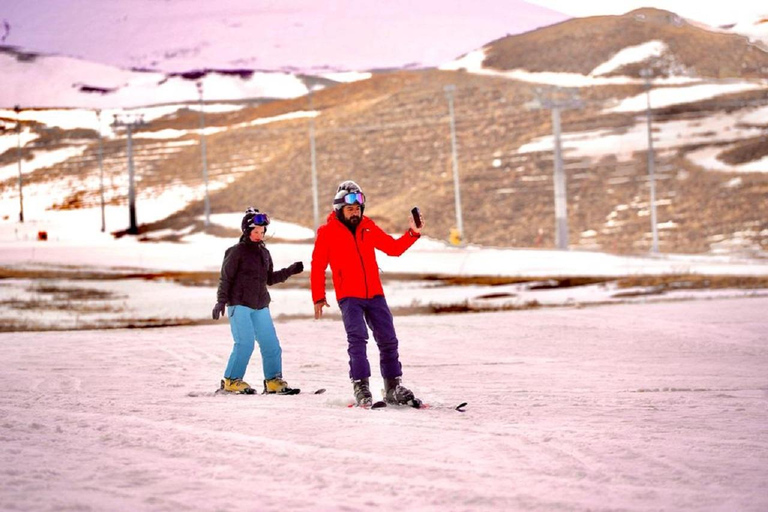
point(582, 45)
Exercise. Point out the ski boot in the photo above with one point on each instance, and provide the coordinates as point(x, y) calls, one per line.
point(362, 391)
point(396, 393)
point(278, 386)
point(236, 386)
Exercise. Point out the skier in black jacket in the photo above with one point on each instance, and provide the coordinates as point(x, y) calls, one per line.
point(245, 273)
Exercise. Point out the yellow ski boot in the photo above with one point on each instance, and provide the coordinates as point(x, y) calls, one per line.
point(278, 386)
point(236, 386)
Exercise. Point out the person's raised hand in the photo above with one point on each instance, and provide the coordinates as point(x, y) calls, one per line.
point(412, 223)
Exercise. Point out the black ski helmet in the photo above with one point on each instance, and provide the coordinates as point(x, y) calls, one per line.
point(253, 218)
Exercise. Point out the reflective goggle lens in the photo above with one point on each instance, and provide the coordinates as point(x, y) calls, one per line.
point(357, 197)
point(260, 219)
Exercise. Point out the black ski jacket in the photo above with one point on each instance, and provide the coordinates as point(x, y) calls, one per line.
point(245, 274)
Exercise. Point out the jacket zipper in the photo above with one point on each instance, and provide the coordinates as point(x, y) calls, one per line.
point(362, 264)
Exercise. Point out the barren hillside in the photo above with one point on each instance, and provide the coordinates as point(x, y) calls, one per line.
point(391, 134)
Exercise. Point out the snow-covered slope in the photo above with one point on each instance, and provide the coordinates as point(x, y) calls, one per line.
point(632, 54)
point(53, 81)
point(630, 407)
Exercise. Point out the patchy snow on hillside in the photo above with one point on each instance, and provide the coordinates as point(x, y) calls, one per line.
point(630, 55)
point(41, 159)
point(210, 130)
point(708, 158)
point(347, 76)
point(472, 62)
point(87, 118)
point(668, 96)
point(716, 129)
point(10, 139)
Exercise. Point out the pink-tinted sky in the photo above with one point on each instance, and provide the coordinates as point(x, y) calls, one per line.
point(177, 35)
point(711, 13)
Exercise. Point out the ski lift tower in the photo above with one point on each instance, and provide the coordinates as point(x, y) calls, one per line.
point(557, 99)
point(129, 124)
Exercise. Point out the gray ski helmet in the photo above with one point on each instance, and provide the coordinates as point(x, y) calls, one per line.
point(253, 218)
point(345, 188)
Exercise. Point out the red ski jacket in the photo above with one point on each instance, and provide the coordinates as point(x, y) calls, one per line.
point(352, 257)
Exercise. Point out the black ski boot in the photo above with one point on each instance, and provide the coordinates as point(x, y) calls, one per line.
point(396, 393)
point(362, 392)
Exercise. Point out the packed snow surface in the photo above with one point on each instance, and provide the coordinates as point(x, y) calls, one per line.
point(629, 407)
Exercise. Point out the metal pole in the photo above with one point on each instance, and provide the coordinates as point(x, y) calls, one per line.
point(204, 155)
point(101, 173)
point(561, 208)
point(456, 188)
point(132, 228)
point(313, 158)
point(558, 99)
point(646, 73)
point(18, 156)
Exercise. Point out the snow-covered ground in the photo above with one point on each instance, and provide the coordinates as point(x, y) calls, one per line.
point(75, 245)
point(655, 404)
point(628, 407)
point(75, 242)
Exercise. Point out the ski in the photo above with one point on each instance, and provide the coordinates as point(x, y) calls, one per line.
point(375, 405)
point(294, 391)
point(289, 391)
point(251, 391)
point(418, 404)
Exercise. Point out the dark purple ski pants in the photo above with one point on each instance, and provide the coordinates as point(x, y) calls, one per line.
point(358, 315)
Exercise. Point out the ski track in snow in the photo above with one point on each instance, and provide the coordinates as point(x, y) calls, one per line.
point(631, 407)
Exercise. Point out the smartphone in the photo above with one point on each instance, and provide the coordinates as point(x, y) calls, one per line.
point(416, 216)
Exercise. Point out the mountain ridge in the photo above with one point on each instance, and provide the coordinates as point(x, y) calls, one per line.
point(392, 134)
point(581, 44)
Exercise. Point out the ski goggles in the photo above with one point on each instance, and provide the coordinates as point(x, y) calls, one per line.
point(352, 198)
point(259, 219)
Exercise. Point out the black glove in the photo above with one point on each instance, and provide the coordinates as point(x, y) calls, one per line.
point(296, 268)
point(218, 310)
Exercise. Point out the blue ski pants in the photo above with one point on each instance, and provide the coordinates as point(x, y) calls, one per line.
point(358, 315)
point(248, 325)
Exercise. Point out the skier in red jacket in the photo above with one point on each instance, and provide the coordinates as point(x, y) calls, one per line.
point(347, 242)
